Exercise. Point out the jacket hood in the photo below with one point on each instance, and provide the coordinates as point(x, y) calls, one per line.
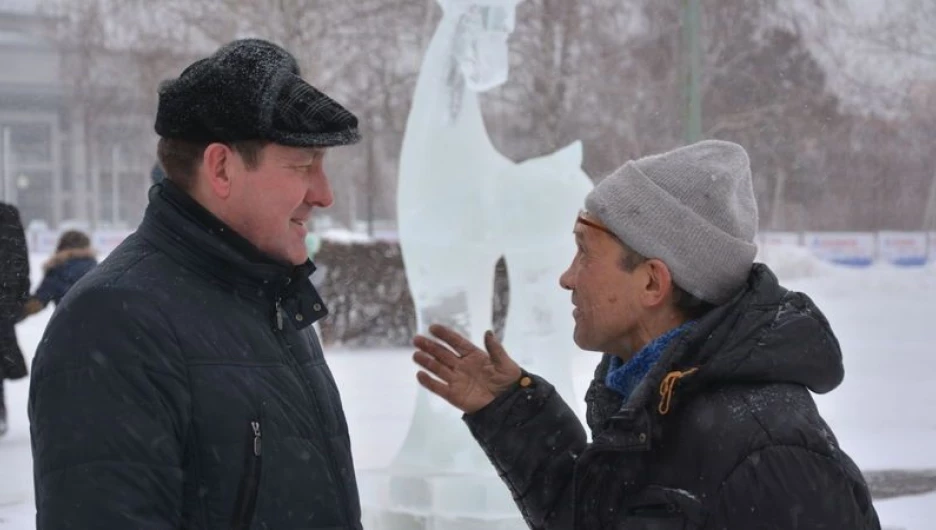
point(765, 334)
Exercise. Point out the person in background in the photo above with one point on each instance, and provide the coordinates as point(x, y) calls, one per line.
point(14, 288)
point(73, 258)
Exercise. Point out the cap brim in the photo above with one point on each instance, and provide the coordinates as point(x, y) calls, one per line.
point(305, 117)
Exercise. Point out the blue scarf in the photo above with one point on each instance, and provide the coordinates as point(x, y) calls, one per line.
point(623, 377)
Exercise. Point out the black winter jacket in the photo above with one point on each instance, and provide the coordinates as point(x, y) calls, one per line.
point(62, 271)
point(14, 290)
point(179, 385)
point(722, 434)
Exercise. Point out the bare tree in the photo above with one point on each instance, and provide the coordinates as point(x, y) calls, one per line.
point(901, 41)
point(606, 72)
point(97, 93)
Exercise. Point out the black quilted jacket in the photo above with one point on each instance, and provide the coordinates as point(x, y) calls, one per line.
point(722, 434)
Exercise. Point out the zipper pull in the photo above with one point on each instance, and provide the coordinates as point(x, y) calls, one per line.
point(256, 429)
point(279, 315)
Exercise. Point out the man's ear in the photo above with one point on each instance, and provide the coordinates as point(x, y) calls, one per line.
point(659, 283)
point(217, 163)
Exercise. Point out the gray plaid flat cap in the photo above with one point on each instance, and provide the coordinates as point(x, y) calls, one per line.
point(251, 89)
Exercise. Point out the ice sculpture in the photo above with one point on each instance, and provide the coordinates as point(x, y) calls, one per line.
point(461, 205)
point(538, 202)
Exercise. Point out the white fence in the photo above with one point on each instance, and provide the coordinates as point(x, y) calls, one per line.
point(856, 249)
point(861, 249)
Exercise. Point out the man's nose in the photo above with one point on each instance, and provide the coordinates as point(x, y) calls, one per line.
point(565, 279)
point(320, 193)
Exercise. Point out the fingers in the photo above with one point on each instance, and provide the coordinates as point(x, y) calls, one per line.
point(435, 386)
point(453, 339)
point(430, 363)
point(439, 352)
point(494, 348)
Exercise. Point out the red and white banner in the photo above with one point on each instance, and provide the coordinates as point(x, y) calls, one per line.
point(856, 249)
point(906, 249)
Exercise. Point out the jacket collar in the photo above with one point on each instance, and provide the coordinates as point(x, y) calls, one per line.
point(182, 228)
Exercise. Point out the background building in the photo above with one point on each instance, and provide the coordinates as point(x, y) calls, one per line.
point(60, 151)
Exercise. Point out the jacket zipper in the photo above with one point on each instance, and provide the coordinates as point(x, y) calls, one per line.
point(250, 482)
point(293, 363)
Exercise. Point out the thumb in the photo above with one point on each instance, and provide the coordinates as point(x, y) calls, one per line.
point(495, 349)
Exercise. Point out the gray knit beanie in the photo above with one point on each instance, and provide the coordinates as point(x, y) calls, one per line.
point(693, 208)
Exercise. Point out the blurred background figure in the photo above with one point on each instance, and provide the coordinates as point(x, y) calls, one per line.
point(14, 288)
point(73, 258)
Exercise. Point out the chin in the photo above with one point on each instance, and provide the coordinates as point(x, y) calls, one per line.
point(585, 344)
point(580, 341)
point(294, 252)
point(288, 256)
point(298, 259)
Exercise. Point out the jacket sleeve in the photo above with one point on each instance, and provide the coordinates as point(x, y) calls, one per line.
point(782, 487)
point(533, 438)
point(53, 286)
point(109, 408)
point(14, 267)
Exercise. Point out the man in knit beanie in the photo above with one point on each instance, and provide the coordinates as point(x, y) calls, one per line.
point(700, 410)
point(180, 383)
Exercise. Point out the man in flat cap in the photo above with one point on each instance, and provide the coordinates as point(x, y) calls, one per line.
point(180, 384)
point(700, 410)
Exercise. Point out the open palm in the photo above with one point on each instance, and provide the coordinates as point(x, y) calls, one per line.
point(469, 378)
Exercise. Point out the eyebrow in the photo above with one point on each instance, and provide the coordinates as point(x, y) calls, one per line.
point(307, 156)
point(593, 224)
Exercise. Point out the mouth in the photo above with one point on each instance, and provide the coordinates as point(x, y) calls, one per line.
point(299, 222)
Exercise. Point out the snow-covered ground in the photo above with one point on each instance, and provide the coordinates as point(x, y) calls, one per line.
point(882, 414)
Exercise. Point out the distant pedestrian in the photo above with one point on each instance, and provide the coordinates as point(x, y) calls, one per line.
point(73, 258)
point(14, 288)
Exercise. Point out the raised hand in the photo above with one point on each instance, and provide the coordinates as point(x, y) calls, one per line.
point(469, 378)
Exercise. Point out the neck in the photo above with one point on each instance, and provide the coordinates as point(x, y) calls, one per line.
point(646, 331)
point(203, 214)
point(203, 197)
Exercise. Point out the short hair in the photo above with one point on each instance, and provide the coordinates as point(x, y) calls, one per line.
point(691, 306)
point(73, 239)
point(180, 158)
